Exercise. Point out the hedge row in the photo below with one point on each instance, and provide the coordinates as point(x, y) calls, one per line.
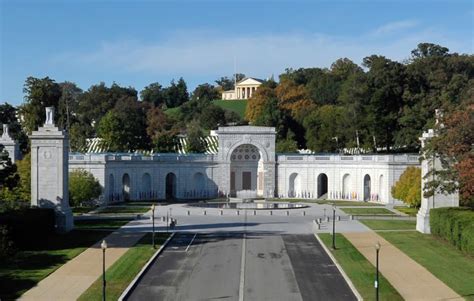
point(27, 226)
point(456, 225)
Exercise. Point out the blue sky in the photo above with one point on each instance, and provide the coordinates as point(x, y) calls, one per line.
point(135, 43)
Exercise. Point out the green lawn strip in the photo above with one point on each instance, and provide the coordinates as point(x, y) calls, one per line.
point(81, 210)
point(329, 202)
point(124, 270)
point(110, 224)
point(389, 224)
point(411, 211)
point(359, 269)
point(27, 267)
point(367, 211)
point(124, 209)
point(237, 106)
point(440, 258)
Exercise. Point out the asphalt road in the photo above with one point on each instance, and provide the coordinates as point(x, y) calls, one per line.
point(237, 266)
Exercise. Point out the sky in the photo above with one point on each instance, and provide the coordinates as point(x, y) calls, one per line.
point(135, 43)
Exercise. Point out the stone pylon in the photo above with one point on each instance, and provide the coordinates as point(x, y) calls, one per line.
point(11, 146)
point(49, 171)
point(438, 200)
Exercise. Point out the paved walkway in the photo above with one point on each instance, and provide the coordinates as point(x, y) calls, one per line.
point(73, 278)
point(409, 278)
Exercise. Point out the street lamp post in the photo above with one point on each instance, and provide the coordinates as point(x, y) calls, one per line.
point(167, 218)
point(377, 249)
point(103, 245)
point(153, 223)
point(334, 227)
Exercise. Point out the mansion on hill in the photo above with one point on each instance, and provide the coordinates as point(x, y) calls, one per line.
point(244, 89)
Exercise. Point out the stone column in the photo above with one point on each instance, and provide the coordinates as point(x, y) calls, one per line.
point(438, 200)
point(11, 146)
point(269, 179)
point(49, 171)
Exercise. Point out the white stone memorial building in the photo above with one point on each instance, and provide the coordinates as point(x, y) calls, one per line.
point(245, 165)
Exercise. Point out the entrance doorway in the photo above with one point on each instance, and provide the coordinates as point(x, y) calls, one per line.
point(170, 186)
point(367, 188)
point(322, 186)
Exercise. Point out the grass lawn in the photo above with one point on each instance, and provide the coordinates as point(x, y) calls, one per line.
point(124, 209)
point(80, 210)
point(359, 270)
point(367, 211)
point(440, 258)
point(389, 224)
point(109, 224)
point(122, 272)
point(237, 106)
point(30, 265)
point(329, 202)
point(411, 211)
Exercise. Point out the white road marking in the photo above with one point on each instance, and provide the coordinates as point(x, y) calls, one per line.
point(242, 270)
point(191, 242)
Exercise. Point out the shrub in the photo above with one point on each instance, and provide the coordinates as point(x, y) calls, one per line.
point(83, 187)
point(408, 187)
point(27, 226)
point(456, 225)
point(6, 244)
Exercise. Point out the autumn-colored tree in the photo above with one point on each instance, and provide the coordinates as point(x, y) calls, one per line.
point(292, 97)
point(408, 187)
point(454, 147)
point(257, 102)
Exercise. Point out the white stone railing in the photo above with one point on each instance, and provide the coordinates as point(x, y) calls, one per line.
point(404, 158)
point(134, 157)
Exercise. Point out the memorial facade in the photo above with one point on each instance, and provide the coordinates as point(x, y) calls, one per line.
point(245, 165)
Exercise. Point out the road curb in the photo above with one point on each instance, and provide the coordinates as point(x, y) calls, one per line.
point(132, 284)
point(344, 275)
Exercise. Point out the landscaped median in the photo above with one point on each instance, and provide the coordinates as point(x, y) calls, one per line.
point(367, 211)
point(360, 271)
point(124, 270)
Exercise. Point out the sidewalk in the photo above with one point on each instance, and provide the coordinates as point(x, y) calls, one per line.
point(409, 278)
point(73, 278)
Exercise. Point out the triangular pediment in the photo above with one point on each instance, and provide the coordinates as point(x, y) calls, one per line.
point(249, 81)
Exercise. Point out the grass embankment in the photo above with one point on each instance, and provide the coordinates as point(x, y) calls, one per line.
point(237, 106)
point(367, 211)
point(106, 224)
point(124, 210)
point(389, 224)
point(329, 202)
point(359, 270)
point(124, 270)
point(30, 265)
point(443, 260)
point(411, 211)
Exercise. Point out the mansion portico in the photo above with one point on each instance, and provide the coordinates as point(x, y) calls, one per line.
point(244, 89)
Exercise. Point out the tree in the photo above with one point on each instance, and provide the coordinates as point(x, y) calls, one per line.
point(205, 92)
point(153, 94)
point(39, 94)
point(326, 128)
point(408, 187)
point(454, 148)
point(100, 99)
point(124, 127)
point(67, 104)
point(83, 187)
point(211, 117)
point(385, 80)
point(429, 49)
point(225, 83)
point(8, 177)
point(8, 115)
point(165, 142)
point(256, 103)
point(195, 138)
point(176, 94)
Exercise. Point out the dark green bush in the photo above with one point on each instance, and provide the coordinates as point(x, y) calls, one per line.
point(28, 226)
point(455, 225)
point(6, 244)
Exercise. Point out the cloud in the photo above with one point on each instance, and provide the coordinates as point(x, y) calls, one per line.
point(207, 54)
point(395, 27)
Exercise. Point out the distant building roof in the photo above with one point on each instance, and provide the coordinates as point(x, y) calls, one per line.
point(254, 78)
